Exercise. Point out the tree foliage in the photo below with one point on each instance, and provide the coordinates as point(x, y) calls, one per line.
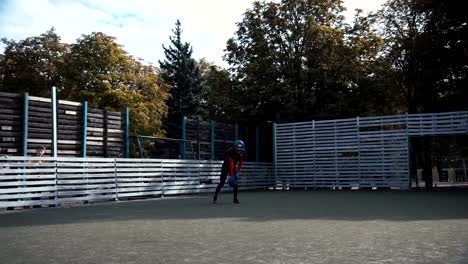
point(222, 99)
point(33, 64)
point(101, 72)
point(427, 44)
point(182, 73)
point(297, 59)
point(94, 69)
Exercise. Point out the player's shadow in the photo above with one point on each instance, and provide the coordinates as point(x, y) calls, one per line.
point(263, 206)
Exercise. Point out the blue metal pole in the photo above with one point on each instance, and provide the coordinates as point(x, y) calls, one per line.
point(85, 128)
point(212, 140)
point(54, 121)
point(408, 152)
point(257, 143)
point(126, 133)
point(25, 124)
point(274, 154)
point(184, 122)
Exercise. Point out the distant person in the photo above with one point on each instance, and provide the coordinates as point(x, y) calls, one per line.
point(40, 152)
point(3, 152)
point(232, 165)
point(435, 176)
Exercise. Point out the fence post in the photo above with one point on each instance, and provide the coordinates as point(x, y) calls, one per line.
point(212, 140)
point(25, 124)
point(199, 175)
point(116, 181)
point(359, 151)
point(182, 149)
point(126, 133)
point(274, 156)
point(106, 133)
point(409, 152)
point(314, 154)
point(162, 178)
point(25, 132)
point(85, 128)
point(54, 122)
point(56, 183)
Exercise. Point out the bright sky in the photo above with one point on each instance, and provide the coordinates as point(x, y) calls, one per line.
point(141, 26)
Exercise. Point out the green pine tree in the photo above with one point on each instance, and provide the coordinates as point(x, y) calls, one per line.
point(182, 73)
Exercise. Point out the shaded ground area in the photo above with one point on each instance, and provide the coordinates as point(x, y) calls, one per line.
point(267, 227)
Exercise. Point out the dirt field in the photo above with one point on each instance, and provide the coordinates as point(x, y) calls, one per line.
point(267, 227)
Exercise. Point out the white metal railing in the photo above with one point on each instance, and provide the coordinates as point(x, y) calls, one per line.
point(49, 181)
point(356, 152)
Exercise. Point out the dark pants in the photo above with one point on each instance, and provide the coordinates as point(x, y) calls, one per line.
point(222, 180)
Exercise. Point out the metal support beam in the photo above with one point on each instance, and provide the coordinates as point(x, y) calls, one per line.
point(182, 149)
point(274, 155)
point(212, 140)
point(54, 122)
point(85, 129)
point(106, 133)
point(127, 133)
point(25, 124)
point(358, 135)
point(409, 152)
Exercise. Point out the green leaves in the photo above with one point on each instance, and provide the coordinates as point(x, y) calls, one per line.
point(95, 69)
point(297, 60)
point(426, 43)
point(221, 97)
point(32, 65)
point(181, 72)
point(101, 72)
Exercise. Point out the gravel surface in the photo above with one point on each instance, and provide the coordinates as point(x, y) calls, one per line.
point(267, 227)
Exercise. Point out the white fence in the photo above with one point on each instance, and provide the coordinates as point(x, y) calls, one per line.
point(49, 181)
point(356, 152)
